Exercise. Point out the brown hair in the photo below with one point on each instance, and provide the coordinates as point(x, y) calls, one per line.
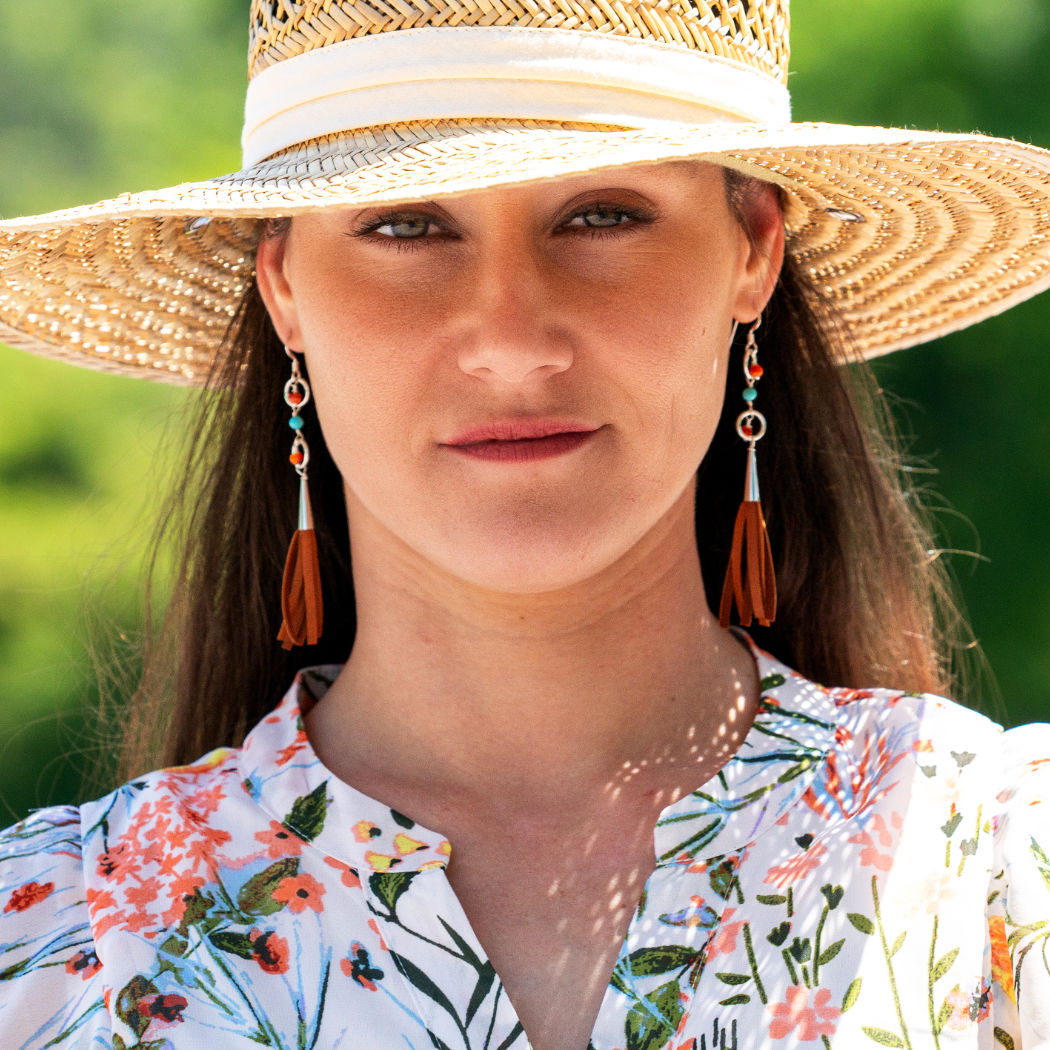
point(861, 600)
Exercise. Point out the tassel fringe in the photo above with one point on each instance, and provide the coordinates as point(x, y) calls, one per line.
point(750, 579)
point(301, 601)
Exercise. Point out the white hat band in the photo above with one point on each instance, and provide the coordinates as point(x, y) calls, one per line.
point(482, 72)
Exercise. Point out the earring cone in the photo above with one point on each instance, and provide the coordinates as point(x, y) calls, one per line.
point(301, 601)
point(750, 579)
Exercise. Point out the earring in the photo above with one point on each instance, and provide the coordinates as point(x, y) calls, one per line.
point(301, 604)
point(750, 579)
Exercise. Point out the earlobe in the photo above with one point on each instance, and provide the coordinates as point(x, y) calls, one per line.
point(274, 288)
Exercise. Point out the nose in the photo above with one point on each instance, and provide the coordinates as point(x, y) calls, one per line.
point(514, 330)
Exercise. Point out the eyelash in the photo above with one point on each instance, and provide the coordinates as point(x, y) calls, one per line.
point(635, 219)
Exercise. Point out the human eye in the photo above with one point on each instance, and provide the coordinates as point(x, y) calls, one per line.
point(397, 229)
point(600, 218)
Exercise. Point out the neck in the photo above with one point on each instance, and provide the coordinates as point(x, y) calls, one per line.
point(537, 693)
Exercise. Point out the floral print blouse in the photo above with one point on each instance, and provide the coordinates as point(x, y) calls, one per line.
point(870, 869)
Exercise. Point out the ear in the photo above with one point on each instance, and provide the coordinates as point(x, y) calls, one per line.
point(760, 214)
point(276, 293)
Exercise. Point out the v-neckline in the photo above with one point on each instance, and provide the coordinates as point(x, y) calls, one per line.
point(706, 831)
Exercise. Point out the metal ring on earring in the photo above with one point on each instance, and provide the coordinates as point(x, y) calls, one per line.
point(747, 420)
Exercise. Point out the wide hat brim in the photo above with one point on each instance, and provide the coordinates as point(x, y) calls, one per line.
point(908, 235)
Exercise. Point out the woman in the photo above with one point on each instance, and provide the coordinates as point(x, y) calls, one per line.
point(519, 363)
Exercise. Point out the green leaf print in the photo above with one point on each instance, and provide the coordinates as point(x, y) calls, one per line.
point(419, 980)
point(1044, 861)
point(655, 1019)
point(128, 1001)
point(733, 978)
point(942, 1017)
point(308, 813)
point(831, 951)
point(234, 943)
point(852, 994)
point(389, 886)
point(770, 898)
point(898, 943)
point(882, 1037)
point(256, 896)
point(771, 681)
point(652, 962)
point(402, 821)
point(735, 1000)
point(861, 922)
point(723, 876)
point(944, 964)
point(1004, 1039)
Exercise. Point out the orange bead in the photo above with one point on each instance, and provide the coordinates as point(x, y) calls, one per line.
point(755, 371)
point(295, 458)
point(295, 398)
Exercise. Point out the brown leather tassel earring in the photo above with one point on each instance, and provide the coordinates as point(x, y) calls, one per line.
point(301, 603)
point(750, 579)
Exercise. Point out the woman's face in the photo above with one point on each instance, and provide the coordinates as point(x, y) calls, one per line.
point(518, 385)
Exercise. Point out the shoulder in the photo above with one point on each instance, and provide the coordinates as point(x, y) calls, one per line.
point(70, 874)
point(50, 987)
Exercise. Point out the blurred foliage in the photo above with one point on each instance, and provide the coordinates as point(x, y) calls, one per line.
point(105, 97)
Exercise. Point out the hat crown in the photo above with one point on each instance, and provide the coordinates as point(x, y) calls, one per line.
point(753, 33)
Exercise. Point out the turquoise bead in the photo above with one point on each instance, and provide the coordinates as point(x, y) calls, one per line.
point(295, 423)
point(749, 395)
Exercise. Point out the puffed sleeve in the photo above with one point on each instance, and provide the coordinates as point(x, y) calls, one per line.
point(51, 991)
point(1019, 902)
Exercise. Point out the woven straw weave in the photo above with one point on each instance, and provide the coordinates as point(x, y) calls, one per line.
point(752, 33)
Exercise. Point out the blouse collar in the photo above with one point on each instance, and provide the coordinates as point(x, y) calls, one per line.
point(792, 734)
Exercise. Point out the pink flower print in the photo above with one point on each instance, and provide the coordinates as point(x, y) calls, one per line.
point(26, 896)
point(724, 940)
point(164, 1011)
point(300, 892)
point(795, 1011)
point(968, 1008)
point(871, 856)
point(959, 1019)
point(797, 867)
point(280, 841)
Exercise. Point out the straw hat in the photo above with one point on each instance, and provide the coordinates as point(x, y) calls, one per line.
point(360, 102)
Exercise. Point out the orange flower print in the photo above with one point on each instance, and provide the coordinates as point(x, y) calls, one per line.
point(84, 963)
point(26, 896)
point(300, 892)
point(347, 874)
point(280, 841)
point(365, 831)
point(1002, 965)
point(270, 951)
point(795, 1012)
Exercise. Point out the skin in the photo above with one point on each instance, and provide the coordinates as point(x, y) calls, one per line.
point(508, 612)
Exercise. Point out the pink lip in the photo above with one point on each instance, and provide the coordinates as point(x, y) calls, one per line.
point(521, 440)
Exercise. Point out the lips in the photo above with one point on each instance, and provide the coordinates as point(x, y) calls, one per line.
point(521, 440)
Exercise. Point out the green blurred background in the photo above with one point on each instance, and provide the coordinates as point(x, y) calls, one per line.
point(105, 97)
